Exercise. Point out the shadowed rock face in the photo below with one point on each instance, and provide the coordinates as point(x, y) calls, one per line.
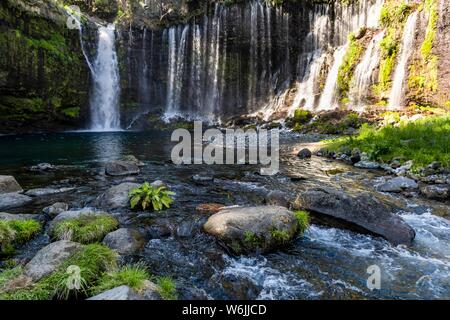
point(9, 184)
point(362, 209)
point(261, 228)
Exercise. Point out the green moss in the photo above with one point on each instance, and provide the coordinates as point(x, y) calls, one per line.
point(167, 288)
point(302, 116)
point(422, 141)
point(16, 232)
point(129, 275)
point(280, 235)
point(85, 229)
point(302, 219)
point(251, 239)
point(73, 112)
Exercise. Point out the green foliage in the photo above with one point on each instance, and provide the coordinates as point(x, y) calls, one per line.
point(351, 59)
point(302, 219)
point(251, 239)
point(422, 141)
point(394, 12)
point(130, 275)
point(280, 235)
point(167, 288)
point(85, 229)
point(93, 260)
point(16, 232)
point(302, 116)
point(389, 46)
point(147, 196)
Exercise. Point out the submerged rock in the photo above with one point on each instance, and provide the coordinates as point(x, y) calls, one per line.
point(246, 229)
point(304, 153)
point(436, 191)
point(118, 293)
point(398, 184)
point(55, 209)
point(124, 241)
point(39, 192)
point(13, 200)
point(121, 168)
point(117, 196)
point(362, 209)
point(9, 184)
point(50, 258)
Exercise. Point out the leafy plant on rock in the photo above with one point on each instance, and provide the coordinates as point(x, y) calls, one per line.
point(148, 196)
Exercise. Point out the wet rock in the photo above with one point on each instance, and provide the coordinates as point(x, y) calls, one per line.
point(125, 241)
point(132, 159)
point(364, 164)
point(304, 153)
point(11, 217)
point(9, 184)
point(247, 229)
point(361, 209)
point(277, 198)
point(398, 184)
point(240, 288)
point(402, 170)
point(186, 229)
point(436, 179)
point(118, 293)
point(121, 168)
point(74, 214)
point(436, 191)
point(355, 156)
point(200, 178)
point(39, 192)
point(13, 200)
point(395, 164)
point(117, 196)
point(55, 209)
point(150, 291)
point(50, 258)
point(43, 167)
point(209, 208)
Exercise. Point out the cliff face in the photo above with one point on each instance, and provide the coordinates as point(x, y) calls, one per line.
point(44, 81)
point(443, 52)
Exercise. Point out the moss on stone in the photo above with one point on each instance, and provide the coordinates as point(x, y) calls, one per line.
point(15, 232)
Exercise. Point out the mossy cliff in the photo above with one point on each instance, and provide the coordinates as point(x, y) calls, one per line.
point(44, 80)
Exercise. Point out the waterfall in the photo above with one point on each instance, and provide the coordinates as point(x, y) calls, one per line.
point(397, 91)
point(105, 114)
point(363, 76)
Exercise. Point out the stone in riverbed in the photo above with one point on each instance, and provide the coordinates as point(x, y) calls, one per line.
point(55, 209)
point(124, 241)
point(398, 184)
point(132, 159)
point(248, 229)
point(9, 184)
point(118, 293)
point(121, 168)
point(117, 196)
point(364, 164)
point(43, 167)
point(304, 153)
point(436, 191)
point(13, 200)
point(277, 198)
point(361, 209)
point(12, 217)
point(39, 192)
point(209, 208)
point(75, 214)
point(50, 258)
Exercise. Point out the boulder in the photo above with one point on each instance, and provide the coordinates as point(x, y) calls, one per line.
point(364, 164)
point(304, 153)
point(8, 184)
point(50, 258)
point(398, 184)
point(209, 208)
point(74, 214)
point(150, 291)
point(121, 168)
point(117, 196)
point(361, 209)
point(55, 209)
point(247, 229)
point(11, 217)
point(13, 200)
point(277, 198)
point(132, 159)
point(124, 241)
point(118, 293)
point(436, 191)
point(39, 192)
point(43, 167)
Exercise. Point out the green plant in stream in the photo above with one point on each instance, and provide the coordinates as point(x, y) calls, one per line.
point(147, 196)
point(85, 229)
point(167, 288)
point(302, 220)
point(15, 232)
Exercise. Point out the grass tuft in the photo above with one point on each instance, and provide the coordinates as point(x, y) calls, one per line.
point(167, 288)
point(302, 219)
point(16, 232)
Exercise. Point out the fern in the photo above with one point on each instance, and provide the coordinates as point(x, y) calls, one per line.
point(147, 196)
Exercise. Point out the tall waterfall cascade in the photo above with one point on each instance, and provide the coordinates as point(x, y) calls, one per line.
point(406, 49)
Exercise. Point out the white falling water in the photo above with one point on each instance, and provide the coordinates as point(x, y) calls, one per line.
point(363, 76)
point(396, 95)
point(105, 114)
point(171, 71)
point(329, 100)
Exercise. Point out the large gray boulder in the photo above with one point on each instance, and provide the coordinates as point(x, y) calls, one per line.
point(398, 184)
point(55, 209)
point(118, 293)
point(39, 192)
point(361, 209)
point(117, 196)
point(50, 258)
point(124, 241)
point(13, 200)
point(121, 168)
point(9, 184)
point(247, 229)
point(75, 214)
